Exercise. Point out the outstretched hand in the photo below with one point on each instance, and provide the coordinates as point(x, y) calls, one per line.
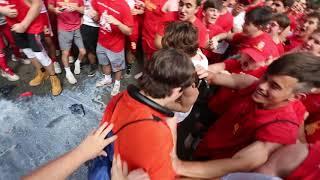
point(120, 171)
point(93, 145)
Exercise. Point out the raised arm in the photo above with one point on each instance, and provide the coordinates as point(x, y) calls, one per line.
point(65, 165)
point(247, 159)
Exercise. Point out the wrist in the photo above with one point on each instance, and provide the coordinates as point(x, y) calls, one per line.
point(81, 154)
point(24, 24)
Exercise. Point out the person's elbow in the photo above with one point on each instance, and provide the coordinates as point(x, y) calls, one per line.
point(254, 160)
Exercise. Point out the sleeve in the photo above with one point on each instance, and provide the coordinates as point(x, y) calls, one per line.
point(231, 64)
point(52, 2)
point(282, 132)
point(127, 17)
point(151, 152)
point(81, 3)
point(94, 4)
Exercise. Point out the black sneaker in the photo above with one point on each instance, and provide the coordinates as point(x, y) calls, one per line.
point(92, 70)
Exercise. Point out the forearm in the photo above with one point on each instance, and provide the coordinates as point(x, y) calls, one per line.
point(233, 81)
point(33, 13)
point(80, 9)
point(59, 168)
point(125, 29)
point(211, 169)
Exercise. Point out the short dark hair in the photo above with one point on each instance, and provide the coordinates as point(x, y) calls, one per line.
point(303, 66)
point(181, 35)
point(288, 3)
point(259, 16)
point(199, 2)
point(167, 69)
point(282, 19)
point(315, 15)
point(216, 4)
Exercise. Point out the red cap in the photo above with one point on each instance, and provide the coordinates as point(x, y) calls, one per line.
point(255, 54)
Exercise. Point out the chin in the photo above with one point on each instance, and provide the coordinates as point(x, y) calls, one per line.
point(257, 98)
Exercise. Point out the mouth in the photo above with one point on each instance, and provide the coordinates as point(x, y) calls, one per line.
point(181, 15)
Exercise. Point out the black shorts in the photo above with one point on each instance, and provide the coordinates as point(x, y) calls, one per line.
point(90, 37)
point(32, 41)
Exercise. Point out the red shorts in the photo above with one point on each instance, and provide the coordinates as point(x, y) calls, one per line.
point(47, 29)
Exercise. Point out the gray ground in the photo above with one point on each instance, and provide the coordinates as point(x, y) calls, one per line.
point(36, 129)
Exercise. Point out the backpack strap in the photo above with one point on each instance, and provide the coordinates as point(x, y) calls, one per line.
point(155, 119)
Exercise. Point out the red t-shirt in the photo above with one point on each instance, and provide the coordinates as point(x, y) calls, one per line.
point(68, 21)
point(225, 21)
point(35, 27)
point(312, 124)
point(309, 169)
point(224, 97)
point(153, 17)
point(213, 30)
point(145, 144)
point(293, 42)
point(244, 123)
point(110, 36)
point(202, 30)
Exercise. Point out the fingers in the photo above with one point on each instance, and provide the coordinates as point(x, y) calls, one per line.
point(107, 130)
point(125, 168)
point(119, 163)
point(103, 153)
point(101, 128)
point(109, 140)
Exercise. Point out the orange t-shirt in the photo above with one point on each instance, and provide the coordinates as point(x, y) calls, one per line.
point(145, 144)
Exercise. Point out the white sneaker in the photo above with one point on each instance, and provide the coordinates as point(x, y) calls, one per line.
point(24, 61)
point(71, 79)
point(71, 60)
point(14, 58)
point(10, 76)
point(103, 82)
point(57, 68)
point(137, 76)
point(115, 89)
point(77, 67)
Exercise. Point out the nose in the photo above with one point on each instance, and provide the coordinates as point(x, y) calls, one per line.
point(183, 9)
point(263, 86)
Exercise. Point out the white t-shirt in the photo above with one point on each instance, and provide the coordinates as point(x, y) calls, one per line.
point(238, 21)
point(43, 8)
point(87, 20)
point(200, 60)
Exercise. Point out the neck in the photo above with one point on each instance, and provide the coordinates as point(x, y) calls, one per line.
point(276, 38)
point(192, 19)
point(273, 106)
point(257, 33)
point(161, 102)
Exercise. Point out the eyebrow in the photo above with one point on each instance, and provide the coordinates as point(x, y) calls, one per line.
point(276, 84)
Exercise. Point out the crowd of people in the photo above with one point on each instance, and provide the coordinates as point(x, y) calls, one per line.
point(259, 60)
